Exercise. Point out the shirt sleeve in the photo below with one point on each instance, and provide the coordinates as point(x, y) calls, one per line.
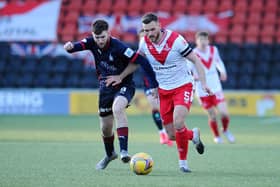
point(219, 62)
point(84, 44)
point(183, 46)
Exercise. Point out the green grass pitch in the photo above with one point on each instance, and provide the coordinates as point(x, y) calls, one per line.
point(63, 150)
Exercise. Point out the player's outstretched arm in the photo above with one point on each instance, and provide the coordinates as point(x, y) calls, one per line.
point(117, 79)
point(199, 68)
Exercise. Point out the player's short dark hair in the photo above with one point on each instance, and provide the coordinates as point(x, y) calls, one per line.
point(100, 25)
point(149, 17)
point(202, 33)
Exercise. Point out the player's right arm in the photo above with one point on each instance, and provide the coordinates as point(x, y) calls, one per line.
point(77, 46)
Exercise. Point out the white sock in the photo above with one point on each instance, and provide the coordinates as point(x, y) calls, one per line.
point(162, 131)
point(183, 163)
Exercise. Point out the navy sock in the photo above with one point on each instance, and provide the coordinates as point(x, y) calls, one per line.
point(157, 119)
point(109, 145)
point(123, 137)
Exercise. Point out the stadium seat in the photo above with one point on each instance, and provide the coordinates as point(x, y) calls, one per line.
point(30, 65)
point(25, 80)
point(89, 79)
point(165, 6)
point(76, 66)
point(239, 19)
point(249, 52)
point(264, 53)
point(237, 39)
point(150, 6)
point(195, 7)
point(225, 5)
point(274, 82)
point(14, 64)
point(256, 6)
point(41, 80)
point(10, 79)
point(179, 7)
point(45, 65)
point(254, 18)
point(240, 6)
point(120, 6)
point(134, 6)
point(72, 81)
point(260, 82)
point(210, 7)
point(56, 81)
point(269, 18)
point(245, 81)
point(233, 53)
point(61, 64)
point(104, 7)
point(246, 68)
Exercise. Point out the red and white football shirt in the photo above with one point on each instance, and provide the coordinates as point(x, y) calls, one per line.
point(168, 59)
point(211, 61)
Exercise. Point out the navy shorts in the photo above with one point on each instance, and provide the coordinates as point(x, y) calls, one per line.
point(106, 98)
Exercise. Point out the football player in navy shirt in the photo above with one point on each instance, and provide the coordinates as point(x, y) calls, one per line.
point(112, 57)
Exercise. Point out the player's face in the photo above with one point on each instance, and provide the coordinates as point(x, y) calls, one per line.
point(202, 41)
point(101, 39)
point(152, 30)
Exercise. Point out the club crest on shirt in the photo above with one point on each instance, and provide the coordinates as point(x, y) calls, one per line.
point(111, 57)
point(129, 52)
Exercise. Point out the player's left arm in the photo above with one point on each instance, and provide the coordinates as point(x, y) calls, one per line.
point(135, 59)
point(220, 66)
point(187, 52)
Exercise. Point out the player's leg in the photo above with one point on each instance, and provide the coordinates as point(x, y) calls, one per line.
point(106, 125)
point(213, 124)
point(122, 98)
point(157, 120)
point(181, 98)
point(209, 104)
point(223, 110)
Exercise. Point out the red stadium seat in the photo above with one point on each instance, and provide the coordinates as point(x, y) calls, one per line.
point(256, 6)
point(104, 7)
point(225, 5)
point(210, 7)
point(268, 30)
point(120, 6)
point(134, 6)
point(266, 39)
point(220, 38)
point(239, 18)
point(271, 6)
point(254, 18)
point(165, 6)
point(129, 37)
point(195, 7)
point(89, 7)
point(237, 30)
point(240, 6)
point(150, 6)
point(236, 39)
point(251, 39)
point(269, 18)
point(180, 7)
point(252, 30)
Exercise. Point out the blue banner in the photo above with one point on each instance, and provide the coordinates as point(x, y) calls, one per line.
point(34, 102)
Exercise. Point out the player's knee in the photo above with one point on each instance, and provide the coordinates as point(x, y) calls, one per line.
point(106, 131)
point(117, 110)
point(179, 122)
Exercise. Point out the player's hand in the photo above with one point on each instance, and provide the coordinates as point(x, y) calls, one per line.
point(68, 46)
point(154, 92)
point(113, 80)
point(223, 77)
point(206, 89)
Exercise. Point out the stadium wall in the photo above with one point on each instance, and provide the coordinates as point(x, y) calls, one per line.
point(85, 102)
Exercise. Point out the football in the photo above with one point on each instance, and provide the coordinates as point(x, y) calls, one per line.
point(141, 163)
